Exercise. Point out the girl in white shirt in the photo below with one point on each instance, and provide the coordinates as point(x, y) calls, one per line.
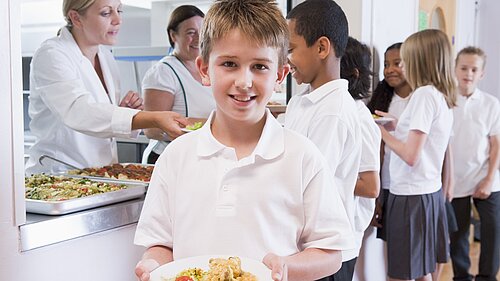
point(75, 104)
point(417, 234)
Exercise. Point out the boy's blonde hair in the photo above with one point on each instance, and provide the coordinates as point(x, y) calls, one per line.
point(260, 20)
point(428, 61)
point(471, 50)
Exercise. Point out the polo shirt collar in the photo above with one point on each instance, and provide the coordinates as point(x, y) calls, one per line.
point(270, 145)
point(328, 88)
point(475, 95)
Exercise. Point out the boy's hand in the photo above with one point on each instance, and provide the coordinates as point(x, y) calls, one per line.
point(144, 268)
point(279, 271)
point(483, 189)
point(377, 215)
point(132, 100)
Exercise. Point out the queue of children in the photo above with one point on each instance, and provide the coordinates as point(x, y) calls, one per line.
point(300, 198)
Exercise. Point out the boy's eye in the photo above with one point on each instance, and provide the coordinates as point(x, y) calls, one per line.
point(290, 50)
point(261, 67)
point(229, 64)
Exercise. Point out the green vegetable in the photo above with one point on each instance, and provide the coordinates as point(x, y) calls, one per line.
point(194, 126)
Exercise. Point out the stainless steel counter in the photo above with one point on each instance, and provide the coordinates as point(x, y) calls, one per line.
point(42, 230)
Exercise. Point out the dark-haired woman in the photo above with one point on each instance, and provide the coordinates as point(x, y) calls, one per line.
point(174, 82)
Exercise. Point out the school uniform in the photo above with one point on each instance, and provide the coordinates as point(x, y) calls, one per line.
point(476, 118)
point(415, 206)
point(191, 98)
point(202, 200)
point(328, 116)
point(74, 118)
point(364, 207)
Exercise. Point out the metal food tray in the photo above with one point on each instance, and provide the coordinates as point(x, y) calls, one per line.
point(113, 180)
point(133, 190)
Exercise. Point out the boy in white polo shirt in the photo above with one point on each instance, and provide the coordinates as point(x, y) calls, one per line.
point(326, 113)
point(242, 185)
point(475, 143)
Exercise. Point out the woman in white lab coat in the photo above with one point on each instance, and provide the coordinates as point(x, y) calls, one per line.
point(75, 103)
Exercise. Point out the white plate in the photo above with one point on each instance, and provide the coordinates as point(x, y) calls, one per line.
point(383, 120)
point(171, 269)
point(185, 130)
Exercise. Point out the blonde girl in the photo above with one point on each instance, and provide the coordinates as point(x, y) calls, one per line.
point(417, 234)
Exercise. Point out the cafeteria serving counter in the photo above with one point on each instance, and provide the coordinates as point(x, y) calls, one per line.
point(43, 230)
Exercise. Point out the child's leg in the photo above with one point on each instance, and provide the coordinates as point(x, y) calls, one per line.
point(459, 240)
point(489, 259)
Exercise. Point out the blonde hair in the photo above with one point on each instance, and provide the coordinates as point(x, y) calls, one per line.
point(80, 6)
point(428, 61)
point(471, 50)
point(260, 20)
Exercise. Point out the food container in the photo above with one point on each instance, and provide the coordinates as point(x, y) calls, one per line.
point(132, 191)
point(99, 175)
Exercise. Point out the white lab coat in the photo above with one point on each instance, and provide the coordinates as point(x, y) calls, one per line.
point(73, 118)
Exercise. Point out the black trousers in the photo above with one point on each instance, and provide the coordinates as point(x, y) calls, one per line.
point(489, 259)
point(345, 272)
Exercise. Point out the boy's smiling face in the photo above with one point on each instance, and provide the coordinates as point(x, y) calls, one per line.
point(302, 58)
point(242, 75)
point(469, 71)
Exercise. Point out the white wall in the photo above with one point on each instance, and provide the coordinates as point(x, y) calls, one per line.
point(489, 41)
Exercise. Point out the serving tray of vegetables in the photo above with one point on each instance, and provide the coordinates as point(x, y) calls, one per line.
point(59, 195)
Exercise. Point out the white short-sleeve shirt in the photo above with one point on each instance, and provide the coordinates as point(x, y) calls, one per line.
point(199, 98)
point(476, 118)
point(428, 112)
point(202, 200)
point(396, 108)
point(328, 116)
point(370, 161)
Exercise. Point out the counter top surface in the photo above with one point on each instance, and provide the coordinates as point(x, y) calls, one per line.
point(43, 230)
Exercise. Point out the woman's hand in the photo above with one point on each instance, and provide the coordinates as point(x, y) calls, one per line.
point(132, 100)
point(144, 268)
point(279, 271)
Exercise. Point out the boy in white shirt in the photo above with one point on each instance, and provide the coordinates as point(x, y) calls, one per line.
point(242, 185)
point(326, 113)
point(475, 144)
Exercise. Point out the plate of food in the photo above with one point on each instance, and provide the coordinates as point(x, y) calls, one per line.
point(205, 268)
point(192, 127)
point(382, 120)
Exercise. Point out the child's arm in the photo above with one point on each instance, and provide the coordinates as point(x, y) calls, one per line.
point(152, 258)
point(368, 184)
point(310, 264)
point(483, 188)
point(408, 151)
point(447, 174)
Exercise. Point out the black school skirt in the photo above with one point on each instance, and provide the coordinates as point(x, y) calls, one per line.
point(417, 234)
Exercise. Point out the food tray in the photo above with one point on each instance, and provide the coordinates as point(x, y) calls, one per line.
point(133, 190)
point(113, 180)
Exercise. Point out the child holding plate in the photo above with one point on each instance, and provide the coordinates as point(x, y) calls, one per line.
point(242, 185)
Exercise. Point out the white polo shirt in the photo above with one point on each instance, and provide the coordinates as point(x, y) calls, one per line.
point(476, 118)
point(202, 200)
point(427, 112)
point(370, 161)
point(396, 108)
point(329, 117)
